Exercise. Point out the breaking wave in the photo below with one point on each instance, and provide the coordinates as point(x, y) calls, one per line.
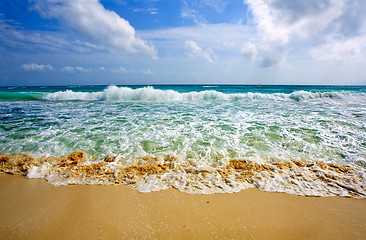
point(114, 93)
point(150, 94)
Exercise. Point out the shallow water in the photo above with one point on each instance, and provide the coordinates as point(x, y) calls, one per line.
point(201, 128)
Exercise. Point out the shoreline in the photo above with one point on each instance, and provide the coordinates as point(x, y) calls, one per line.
point(33, 209)
point(156, 173)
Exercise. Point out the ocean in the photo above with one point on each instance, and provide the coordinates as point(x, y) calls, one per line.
point(303, 140)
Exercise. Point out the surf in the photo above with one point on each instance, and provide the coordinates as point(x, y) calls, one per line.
point(150, 94)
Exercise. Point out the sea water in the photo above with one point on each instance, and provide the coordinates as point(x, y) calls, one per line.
point(305, 140)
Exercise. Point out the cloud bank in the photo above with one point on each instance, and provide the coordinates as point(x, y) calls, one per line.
point(334, 28)
point(193, 50)
point(90, 20)
point(33, 67)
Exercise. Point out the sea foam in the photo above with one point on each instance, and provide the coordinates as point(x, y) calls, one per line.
point(149, 174)
point(114, 93)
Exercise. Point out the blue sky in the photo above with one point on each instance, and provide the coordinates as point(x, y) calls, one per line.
point(62, 42)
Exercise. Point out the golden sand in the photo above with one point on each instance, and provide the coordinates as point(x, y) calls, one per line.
point(33, 209)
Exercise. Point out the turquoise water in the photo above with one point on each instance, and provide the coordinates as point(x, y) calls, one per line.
point(205, 124)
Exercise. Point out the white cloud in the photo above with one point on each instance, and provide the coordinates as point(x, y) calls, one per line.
point(335, 28)
point(147, 72)
point(191, 9)
point(120, 70)
point(193, 50)
point(152, 11)
point(249, 50)
point(192, 14)
point(91, 20)
point(264, 55)
point(279, 20)
point(353, 20)
point(139, 10)
point(223, 37)
point(81, 69)
point(218, 5)
point(340, 49)
point(33, 67)
point(75, 69)
point(67, 69)
point(123, 70)
point(13, 35)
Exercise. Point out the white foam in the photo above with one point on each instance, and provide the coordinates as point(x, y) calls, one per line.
point(41, 171)
point(114, 93)
point(71, 95)
point(312, 180)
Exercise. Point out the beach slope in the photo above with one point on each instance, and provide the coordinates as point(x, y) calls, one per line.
point(33, 209)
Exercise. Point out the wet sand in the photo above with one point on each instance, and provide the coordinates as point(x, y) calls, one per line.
point(33, 209)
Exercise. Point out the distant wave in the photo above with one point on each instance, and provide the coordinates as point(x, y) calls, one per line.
point(114, 93)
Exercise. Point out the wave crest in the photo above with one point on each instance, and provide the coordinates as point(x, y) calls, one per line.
point(114, 93)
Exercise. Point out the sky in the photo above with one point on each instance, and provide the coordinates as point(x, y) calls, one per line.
point(132, 42)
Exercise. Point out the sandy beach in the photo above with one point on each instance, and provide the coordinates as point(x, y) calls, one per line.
point(33, 209)
point(149, 119)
